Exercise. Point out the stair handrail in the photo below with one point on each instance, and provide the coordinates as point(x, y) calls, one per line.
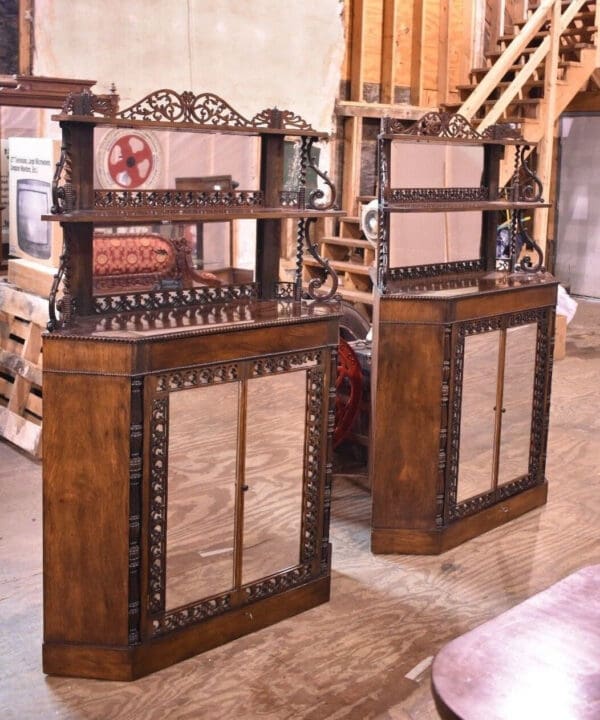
point(537, 57)
point(495, 74)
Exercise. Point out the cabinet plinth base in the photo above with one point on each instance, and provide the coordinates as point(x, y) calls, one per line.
point(130, 663)
point(409, 541)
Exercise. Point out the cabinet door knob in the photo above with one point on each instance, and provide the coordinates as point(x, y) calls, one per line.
point(244, 488)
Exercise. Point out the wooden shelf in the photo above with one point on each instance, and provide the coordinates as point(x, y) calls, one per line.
point(160, 215)
point(461, 206)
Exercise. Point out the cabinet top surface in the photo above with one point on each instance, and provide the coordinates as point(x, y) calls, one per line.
point(467, 285)
point(152, 325)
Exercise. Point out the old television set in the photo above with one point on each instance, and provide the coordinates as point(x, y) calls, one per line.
point(34, 235)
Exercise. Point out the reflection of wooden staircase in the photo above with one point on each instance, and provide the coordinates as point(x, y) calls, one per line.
point(532, 77)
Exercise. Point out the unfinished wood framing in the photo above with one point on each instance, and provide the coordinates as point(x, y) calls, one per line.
point(388, 52)
point(417, 64)
point(25, 37)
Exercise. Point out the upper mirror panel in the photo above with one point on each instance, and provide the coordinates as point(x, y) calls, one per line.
point(139, 159)
point(435, 165)
point(433, 173)
point(437, 237)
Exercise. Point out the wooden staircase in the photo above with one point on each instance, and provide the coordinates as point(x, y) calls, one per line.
point(514, 85)
point(532, 77)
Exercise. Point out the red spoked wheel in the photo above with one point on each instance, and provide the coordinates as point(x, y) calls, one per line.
point(348, 391)
point(130, 161)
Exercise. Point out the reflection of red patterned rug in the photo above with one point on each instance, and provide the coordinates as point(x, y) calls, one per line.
point(348, 387)
point(133, 254)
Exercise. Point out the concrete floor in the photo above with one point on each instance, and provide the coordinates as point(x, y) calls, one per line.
point(366, 653)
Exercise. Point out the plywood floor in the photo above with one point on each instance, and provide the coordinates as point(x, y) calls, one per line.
point(365, 654)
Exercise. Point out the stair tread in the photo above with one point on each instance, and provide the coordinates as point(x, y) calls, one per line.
point(506, 83)
point(350, 242)
point(350, 294)
point(586, 29)
point(344, 265)
point(356, 295)
point(527, 102)
point(530, 50)
point(515, 68)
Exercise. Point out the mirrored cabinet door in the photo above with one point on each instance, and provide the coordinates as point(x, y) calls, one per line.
point(273, 474)
point(519, 377)
point(478, 415)
point(235, 462)
point(201, 496)
point(494, 403)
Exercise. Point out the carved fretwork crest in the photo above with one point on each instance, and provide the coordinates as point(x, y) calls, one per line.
point(450, 125)
point(169, 106)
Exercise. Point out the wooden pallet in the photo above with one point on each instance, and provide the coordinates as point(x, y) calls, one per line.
point(23, 318)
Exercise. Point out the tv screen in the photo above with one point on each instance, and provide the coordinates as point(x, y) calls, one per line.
point(33, 233)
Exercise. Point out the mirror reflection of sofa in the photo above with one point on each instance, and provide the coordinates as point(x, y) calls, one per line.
point(145, 261)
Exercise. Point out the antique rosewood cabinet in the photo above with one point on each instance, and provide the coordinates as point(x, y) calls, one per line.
point(187, 428)
point(463, 338)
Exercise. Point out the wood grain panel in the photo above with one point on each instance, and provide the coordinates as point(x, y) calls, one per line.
point(86, 501)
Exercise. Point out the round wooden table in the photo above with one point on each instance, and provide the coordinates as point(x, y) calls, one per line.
point(540, 660)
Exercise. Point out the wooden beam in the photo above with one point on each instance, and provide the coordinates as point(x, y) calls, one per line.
point(358, 24)
point(546, 146)
point(377, 110)
point(388, 51)
point(444, 53)
point(352, 163)
point(417, 65)
point(585, 102)
point(595, 78)
point(25, 37)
